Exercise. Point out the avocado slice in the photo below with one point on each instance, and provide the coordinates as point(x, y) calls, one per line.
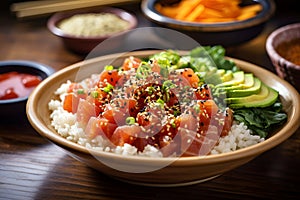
point(248, 83)
point(248, 80)
point(221, 72)
point(238, 78)
point(227, 76)
point(266, 97)
point(255, 89)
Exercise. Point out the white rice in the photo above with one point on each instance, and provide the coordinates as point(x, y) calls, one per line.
point(65, 124)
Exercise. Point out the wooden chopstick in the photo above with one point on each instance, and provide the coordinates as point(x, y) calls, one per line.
point(27, 9)
point(15, 7)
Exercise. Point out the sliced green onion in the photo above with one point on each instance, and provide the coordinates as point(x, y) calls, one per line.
point(161, 103)
point(94, 94)
point(150, 90)
point(176, 113)
point(80, 91)
point(167, 85)
point(143, 70)
point(109, 67)
point(108, 88)
point(130, 120)
point(197, 108)
point(173, 125)
point(166, 97)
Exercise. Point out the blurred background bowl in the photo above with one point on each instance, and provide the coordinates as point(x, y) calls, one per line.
point(84, 44)
point(216, 33)
point(284, 57)
point(15, 108)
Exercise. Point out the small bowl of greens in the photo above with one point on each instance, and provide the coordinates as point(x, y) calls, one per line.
point(165, 117)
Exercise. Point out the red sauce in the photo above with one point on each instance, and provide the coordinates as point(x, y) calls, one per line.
point(16, 85)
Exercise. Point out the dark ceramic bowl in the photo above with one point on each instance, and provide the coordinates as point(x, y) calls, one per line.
point(223, 33)
point(84, 45)
point(284, 67)
point(15, 108)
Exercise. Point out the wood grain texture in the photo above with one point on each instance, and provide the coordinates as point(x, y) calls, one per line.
point(33, 168)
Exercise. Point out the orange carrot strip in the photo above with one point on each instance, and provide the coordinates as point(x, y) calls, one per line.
point(209, 10)
point(195, 13)
point(186, 7)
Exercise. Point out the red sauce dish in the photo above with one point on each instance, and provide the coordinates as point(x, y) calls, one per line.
point(18, 78)
point(15, 84)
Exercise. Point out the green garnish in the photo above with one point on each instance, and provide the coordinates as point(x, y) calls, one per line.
point(172, 121)
point(108, 88)
point(261, 120)
point(216, 55)
point(167, 58)
point(161, 103)
point(197, 108)
point(166, 61)
point(130, 120)
point(94, 94)
point(150, 90)
point(167, 85)
point(176, 113)
point(143, 70)
point(109, 67)
point(80, 91)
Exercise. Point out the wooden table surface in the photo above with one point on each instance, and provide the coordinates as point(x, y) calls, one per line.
point(33, 168)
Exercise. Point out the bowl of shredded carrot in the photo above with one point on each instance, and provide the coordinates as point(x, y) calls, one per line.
point(212, 22)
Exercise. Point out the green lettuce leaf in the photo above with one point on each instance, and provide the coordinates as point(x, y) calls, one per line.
point(261, 120)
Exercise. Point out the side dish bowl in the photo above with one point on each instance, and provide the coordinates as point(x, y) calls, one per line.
point(222, 33)
point(84, 44)
point(285, 67)
point(169, 171)
point(15, 107)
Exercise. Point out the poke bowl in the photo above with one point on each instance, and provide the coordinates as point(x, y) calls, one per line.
point(154, 165)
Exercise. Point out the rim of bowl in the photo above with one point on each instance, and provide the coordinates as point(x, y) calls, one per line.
point(47, 70)
point(59, 16)
point(248, 152)
point(271, 49)
point(268, 10)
